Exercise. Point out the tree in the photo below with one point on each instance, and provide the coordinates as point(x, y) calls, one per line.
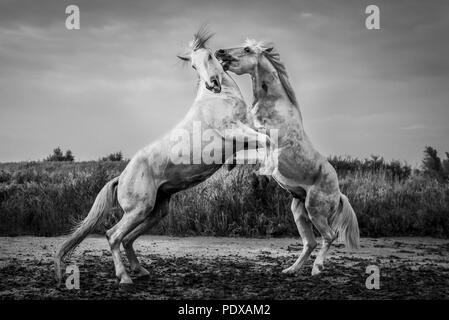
point(117, 156)
point(445, 165)
point(431, 163)
point(433, 166)
point(69, 156)
point(57, 155)
point(376, 162)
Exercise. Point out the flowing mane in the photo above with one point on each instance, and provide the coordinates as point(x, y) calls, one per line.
point(200, 39)
point(274, 58)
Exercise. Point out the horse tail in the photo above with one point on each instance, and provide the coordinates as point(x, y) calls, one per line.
point(345, 223)
point(103, 204)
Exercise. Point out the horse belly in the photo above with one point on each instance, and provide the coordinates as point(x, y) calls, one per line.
point(183, 176)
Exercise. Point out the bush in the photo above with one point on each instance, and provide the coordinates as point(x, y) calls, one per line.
point(394, 169)
point(5, 176)
point(117, 156)
point(48, 198)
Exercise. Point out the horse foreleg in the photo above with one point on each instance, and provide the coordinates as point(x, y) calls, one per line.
point(305, 231)
point(243, 133)
point(255, 140)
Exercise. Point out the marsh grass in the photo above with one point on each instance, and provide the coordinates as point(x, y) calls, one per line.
point(46, 198)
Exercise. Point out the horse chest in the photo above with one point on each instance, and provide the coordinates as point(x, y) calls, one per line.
point(269, 114)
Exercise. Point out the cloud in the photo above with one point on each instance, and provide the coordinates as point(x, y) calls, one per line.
point(414, 127)
point(75, 88)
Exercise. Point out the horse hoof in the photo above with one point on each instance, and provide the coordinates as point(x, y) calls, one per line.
point(289, 271)
point(126, 287)
point(317, 269)
point(125, 281)
point(142, 274)
point(126, 284)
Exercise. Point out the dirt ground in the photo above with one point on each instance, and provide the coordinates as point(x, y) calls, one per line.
point(229, 268)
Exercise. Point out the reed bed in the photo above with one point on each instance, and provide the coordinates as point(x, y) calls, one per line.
point(46, 198)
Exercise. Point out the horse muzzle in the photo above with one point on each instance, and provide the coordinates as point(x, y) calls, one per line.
point(225, 58)
point(214, 85)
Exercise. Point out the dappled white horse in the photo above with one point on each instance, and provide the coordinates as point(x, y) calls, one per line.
point(156, 172)
point(301, 169)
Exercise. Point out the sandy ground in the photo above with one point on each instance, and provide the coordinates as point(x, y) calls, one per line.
point(229, 268)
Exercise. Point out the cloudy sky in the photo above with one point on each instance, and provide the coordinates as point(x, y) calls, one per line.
point(115, 84)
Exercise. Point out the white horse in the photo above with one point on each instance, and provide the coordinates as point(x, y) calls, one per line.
point(144, 188)
point(301, 169)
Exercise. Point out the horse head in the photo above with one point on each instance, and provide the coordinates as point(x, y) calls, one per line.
point(203, 61)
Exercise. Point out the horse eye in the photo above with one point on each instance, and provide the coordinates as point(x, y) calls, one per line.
point(247, 50)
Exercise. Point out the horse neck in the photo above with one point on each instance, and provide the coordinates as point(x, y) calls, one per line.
point(270, 95)
point(230, 85)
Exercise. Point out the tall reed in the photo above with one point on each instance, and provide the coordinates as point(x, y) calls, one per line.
point(44, 198)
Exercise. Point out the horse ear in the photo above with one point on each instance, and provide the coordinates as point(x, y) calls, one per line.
point(268, 50)
point(184, 58)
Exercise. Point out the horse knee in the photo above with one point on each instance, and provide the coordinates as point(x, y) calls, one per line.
point(109, 234)
point(127, 243)
point(295, 206)
point(113, 241)
point(310, 245)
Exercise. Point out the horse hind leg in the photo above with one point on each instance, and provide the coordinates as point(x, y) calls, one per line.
point(305, 231)
point(160, 210)
point(132, 217)
point(127, 243)
point(319, 217)
point(328, 237)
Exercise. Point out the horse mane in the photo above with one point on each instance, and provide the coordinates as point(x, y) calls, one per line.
point(200, 38)
point(274, 58)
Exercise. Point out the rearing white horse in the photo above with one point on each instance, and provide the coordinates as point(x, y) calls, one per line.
point(301, 169)
point(144, 188)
